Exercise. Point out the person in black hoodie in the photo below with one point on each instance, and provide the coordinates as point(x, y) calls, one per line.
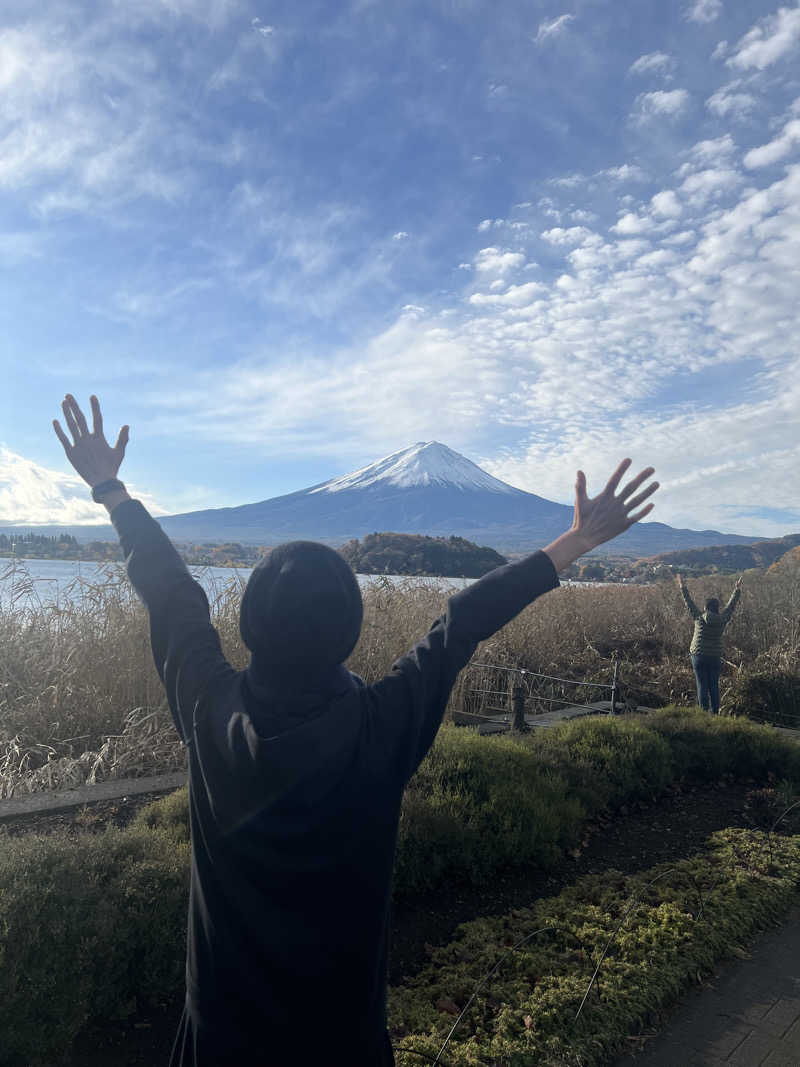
point(297, 769)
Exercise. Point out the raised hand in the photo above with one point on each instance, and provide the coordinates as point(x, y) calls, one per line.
point(607, 515)
point(89, 453)
point(598, 519)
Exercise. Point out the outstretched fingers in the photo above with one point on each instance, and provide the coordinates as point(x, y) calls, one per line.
point(122, 441)
point(79, 416)
point(97, 416)
point(69, 418)
point(639, 515)
point(614, 480)
point(634, 483)
point(636, 501)
point(61, 436)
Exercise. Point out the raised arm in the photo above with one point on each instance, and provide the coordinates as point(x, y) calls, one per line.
point(416, 692)
point(730, 607)
point(694, 611)
point(185, 645)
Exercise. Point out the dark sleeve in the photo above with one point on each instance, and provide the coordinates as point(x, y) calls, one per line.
point(408, 704)
point(185, 645)
point(690, 604)
point(729, 608)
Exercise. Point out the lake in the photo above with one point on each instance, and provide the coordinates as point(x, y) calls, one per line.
point(28, 582)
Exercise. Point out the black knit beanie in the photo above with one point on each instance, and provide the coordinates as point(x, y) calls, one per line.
point(301, 608)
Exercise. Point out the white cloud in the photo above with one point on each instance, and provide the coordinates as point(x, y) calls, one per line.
point(497, 261)
point(626, 172)
point(31, 494)
point(666, 204)
point(720, 51)
point(401, 235)
point(661, 103)
point(630, 224)
point(516, 296)
point(775, 150)
point(484, 226)
point(710, 183)
point(704, 11)
point(769, 40)
point(553, 27)
point(717, 150)
point(88, 117)
point(731, 101)
point(653, 63)
point(571, 236)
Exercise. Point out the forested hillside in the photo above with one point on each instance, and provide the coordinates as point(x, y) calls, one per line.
point(395, 553)
point(727, 558)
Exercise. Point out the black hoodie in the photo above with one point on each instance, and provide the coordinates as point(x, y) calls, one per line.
point(294, 805)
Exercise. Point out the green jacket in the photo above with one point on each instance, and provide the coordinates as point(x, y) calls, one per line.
point(708, 626)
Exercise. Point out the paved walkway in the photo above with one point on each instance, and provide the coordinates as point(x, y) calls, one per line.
point(748, 1016)
point(50, 801)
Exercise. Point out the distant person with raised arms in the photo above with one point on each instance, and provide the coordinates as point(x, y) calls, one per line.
point(706, 646)
point(297, 769)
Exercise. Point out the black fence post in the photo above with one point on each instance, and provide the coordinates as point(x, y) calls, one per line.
point(614, 686)
point(518, 707)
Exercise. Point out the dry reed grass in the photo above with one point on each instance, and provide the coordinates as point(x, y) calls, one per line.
point(80, 699)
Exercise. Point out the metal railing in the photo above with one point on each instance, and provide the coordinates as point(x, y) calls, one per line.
point(518, 693)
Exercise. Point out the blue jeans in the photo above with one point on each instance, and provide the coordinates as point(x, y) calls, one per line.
point(706, 672)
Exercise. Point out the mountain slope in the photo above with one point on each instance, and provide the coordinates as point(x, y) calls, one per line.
point(425, 489)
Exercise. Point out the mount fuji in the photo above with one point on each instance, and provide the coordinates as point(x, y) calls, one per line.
point(424, 489)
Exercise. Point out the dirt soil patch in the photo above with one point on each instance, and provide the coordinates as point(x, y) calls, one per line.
point(672, 828)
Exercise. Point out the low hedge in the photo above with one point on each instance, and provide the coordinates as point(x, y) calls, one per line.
point(663, 930)
point(766, 695)
point(478, 805)
point(89, 925)
point(90, 928)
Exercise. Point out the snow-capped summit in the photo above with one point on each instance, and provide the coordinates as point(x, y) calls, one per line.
point(427, 463)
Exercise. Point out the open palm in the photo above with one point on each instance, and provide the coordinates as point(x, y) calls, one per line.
point(600, 518)
point(89, 453)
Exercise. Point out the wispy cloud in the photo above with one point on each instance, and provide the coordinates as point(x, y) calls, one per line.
point(663, 103)
point(553, 27)
point(732, 101)
point(653, 63)
point(770, 40)
point(776, 150)
point(704, 11)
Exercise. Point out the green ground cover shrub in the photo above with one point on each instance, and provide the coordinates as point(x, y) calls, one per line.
point(90, 928)
point(704, 747)
point(606, 762)
point(477, 805)
point(766, 695)
point(661, 930)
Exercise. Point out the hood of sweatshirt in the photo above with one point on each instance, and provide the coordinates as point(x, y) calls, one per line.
point(277, 751)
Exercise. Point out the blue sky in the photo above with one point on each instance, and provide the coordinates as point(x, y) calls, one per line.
point(282, 240)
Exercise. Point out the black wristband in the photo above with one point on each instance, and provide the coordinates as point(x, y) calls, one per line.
point(104, 488)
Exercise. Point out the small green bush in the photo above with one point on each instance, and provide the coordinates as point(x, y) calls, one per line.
point(477, 805)
point(705, 747)
point(86, 933)
point(606, 762)
point(169, 813)
point(672, 923)
point(766, 697)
